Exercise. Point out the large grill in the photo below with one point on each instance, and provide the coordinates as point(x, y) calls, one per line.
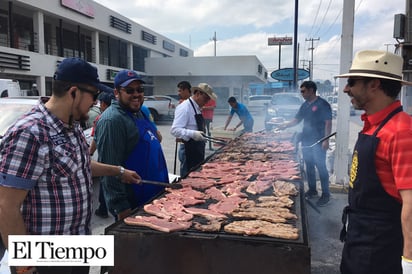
point(144, 250)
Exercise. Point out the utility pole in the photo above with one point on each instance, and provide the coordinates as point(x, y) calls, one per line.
point(405, 29)
point(214, 39)
point(311, 58)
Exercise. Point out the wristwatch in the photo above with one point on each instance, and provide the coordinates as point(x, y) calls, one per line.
point(121, 169)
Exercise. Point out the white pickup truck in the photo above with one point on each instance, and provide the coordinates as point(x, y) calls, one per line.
point(161, 106)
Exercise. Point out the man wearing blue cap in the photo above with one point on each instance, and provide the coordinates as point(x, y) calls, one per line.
point(45, 166)
point(125, 136)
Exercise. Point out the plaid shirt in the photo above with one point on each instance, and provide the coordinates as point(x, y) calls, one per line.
point(42, 155)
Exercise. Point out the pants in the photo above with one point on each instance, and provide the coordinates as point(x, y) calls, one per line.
point(182, 159)
point(207, 126)
point(102, 202)
point(316, 157)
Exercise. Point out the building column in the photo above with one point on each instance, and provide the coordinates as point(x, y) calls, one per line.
point(130, 54)
point(38, 27)
point(95, 47)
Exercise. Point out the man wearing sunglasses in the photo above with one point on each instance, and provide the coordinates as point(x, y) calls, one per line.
point(316, 114)
point(125, 136)
point(45, 167)
point(377, 226)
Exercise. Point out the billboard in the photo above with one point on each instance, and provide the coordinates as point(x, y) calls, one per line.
point(272, 41)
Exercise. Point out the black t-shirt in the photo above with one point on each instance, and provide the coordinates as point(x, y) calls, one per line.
point(314, 116)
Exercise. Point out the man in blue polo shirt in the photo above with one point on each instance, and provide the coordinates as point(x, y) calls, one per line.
point(243, 113)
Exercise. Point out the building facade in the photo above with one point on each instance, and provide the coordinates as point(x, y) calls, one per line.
point(36, 35)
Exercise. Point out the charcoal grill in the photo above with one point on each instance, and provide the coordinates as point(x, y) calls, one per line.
point(143, 250)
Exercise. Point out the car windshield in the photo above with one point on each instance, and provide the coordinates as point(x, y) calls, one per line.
point(285, 100)
point(9, 113)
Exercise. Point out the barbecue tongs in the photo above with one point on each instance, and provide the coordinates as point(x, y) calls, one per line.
point(172, 185)
point(320, 140)
point(214, 140)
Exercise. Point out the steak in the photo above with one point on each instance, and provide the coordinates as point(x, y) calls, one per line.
point(156, 223)
point(258, 227)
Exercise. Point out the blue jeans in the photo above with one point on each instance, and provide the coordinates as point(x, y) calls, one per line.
point(316, 157)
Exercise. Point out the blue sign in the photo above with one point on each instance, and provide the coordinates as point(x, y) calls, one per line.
point(286, 74)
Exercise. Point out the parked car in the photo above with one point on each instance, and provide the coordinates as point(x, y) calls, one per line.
point(172, 104)
point(161, 106)
point(282, 107)
point(258, 103)
point(12, 108)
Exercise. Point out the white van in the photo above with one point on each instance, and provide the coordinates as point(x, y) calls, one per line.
point(9, 88)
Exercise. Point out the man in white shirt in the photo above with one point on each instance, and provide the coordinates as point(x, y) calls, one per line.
point(189, 125)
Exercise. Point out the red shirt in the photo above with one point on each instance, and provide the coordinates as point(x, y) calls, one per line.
point(394, 152)
point(208, 113)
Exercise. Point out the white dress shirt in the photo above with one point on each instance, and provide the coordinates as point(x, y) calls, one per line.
point(184, 123)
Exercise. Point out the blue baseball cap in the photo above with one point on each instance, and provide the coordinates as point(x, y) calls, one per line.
point(125, 77)
point(77, 70)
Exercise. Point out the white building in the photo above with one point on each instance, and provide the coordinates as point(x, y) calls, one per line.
point(36, 35)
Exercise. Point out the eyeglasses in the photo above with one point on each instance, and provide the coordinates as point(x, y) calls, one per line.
point(352, 81)
point(95, 93)
point(133, 90)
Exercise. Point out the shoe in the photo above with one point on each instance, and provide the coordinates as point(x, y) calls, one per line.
point(101, 214)
point(311, 194)
point(323, 200)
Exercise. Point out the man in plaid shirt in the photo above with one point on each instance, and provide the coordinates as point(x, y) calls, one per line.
point(45, 166)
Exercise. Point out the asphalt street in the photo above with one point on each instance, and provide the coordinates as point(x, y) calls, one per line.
point(323, 226)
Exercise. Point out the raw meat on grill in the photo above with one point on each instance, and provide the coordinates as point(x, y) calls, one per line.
point(206, 213)
point(187, 192)
point(227, 205)
point(156, 223)
point(215, 194)
point(168, 209)
point(199, 183)
point(258, 227)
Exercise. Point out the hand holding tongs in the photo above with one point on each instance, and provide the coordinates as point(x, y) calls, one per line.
point(214, 140)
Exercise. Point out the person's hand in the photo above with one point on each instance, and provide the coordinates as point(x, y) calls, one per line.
point(406, 266)
point(130, 177)
point(282, 126)
point(198, 136)
point(159, 136)
point(325, 144)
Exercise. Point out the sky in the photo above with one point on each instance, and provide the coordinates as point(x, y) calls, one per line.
point(243, 27)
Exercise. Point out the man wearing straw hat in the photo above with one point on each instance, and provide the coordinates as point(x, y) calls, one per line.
point(378, 220)
point(189, 124)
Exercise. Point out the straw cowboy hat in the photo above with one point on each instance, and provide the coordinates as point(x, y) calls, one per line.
point(376, 64)
point(206, 89)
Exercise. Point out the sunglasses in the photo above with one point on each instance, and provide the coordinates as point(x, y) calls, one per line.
point(133, 90)
point(352, 81)
point(95, 93)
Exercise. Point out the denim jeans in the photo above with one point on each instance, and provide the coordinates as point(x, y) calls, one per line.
point(316, 157)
